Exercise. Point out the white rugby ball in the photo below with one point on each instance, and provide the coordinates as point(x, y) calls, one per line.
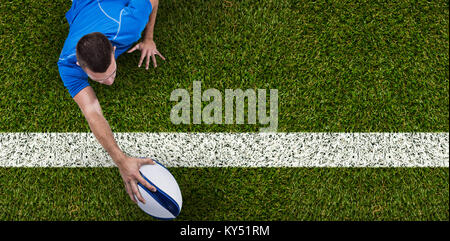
point(166, 202)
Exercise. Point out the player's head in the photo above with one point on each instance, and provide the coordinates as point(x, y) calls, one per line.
point(95, 55)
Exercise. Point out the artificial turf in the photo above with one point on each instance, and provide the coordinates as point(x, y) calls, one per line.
point(233, 194)
point(363, 66)
point(339, 66)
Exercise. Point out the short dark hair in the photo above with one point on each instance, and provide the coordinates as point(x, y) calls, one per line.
point(94, 51)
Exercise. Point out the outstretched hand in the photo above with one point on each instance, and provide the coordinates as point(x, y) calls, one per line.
point(148, 49)
point(129, 170)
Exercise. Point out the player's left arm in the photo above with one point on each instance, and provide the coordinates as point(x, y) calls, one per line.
point(148, 46)
point(148, 32)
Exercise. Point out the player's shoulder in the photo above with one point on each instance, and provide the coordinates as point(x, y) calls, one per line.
point(69, 70)
point(67, 59)
point(68, 64)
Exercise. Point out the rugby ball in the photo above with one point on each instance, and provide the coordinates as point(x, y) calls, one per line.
point(166, 202)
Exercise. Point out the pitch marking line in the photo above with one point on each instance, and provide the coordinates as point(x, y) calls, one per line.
point(231, 149)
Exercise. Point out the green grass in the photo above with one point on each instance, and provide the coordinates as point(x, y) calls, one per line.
point(338, 65)
point(233, 194)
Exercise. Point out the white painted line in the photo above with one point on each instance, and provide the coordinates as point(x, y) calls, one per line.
point(231, 149)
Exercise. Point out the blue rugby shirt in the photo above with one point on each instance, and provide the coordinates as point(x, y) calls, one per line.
point(121, 21)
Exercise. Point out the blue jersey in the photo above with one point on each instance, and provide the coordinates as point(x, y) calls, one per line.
point(121, 21)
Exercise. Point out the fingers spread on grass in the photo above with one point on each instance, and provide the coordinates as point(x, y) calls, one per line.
point(147, 62)
point(160, 55)
point(133, 49)
point(143, 54)
point(154, 60)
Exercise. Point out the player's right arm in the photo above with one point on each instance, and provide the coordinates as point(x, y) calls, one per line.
point(128, 166)
point(90, 107)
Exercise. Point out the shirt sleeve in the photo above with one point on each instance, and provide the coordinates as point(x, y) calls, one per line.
point(139, 8)
point(134, 18)
point(73, 77)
